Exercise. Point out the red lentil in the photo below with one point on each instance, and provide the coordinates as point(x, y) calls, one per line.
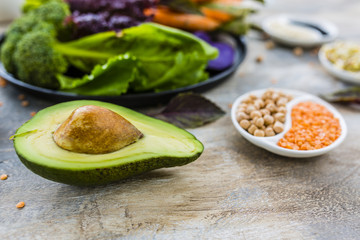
point(20, 205)
point(3, 82)
point(25, 103)
point(21, 97)
point(3, 176)
point(313, 127)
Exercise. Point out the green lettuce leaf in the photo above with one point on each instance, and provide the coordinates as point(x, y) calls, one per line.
point(149, 57)
point(91, 50)
point(112, 78)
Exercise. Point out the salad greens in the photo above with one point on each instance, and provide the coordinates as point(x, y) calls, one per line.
point(146, 57)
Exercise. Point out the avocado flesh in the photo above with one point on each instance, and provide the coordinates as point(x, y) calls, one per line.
point(163, 145)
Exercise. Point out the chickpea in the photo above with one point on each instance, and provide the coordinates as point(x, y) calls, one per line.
point(259, 133)
point(259, 122)
point(271, 107)
point(280, 117)
point(265, 115)
point(282, 101)
point(247, 100)
point(250, 108)
point(257, 105)
point(252, 96)
point(252, 129)
point(264, 112)
point(268, 119)
point(278, 127)
point(242, 106)
point(269, 132)
point(254, 114)
point(281, 109)
point(245, 124)
point(241, 115)
point(275, 97)
point(253, 121)
point(260, 102)
point(268, 101)
point(241, 110)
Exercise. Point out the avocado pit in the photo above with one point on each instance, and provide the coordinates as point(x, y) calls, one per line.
point(95, 130)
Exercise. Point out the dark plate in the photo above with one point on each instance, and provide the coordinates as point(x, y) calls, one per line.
point(136, 99)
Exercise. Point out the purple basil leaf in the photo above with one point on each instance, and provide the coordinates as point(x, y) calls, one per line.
point(348, 95)
point(189, 110)
point(118, 6)
point(94, 16)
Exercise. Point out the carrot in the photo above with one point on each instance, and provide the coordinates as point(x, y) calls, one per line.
point(191, 22)
point(216, 14)
point(227, 2)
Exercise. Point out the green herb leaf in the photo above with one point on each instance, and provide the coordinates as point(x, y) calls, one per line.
point(112, 78)
point(189, 110)
point(349, 95)
point(150, 57)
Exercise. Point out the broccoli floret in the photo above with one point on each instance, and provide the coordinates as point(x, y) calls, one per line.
point(7, 50)
point(15, 34)
point(36, 60)
point(47, 18)
point(40, 58)
point(53, 12)
point(33, 4)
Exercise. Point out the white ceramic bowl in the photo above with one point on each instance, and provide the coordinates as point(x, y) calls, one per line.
point(348, 76)
point(275, 27)
point(270, 143)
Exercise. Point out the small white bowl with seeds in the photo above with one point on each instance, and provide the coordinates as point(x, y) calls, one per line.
point(264, 116)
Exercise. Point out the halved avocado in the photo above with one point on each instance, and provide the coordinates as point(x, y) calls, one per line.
point(162, 145)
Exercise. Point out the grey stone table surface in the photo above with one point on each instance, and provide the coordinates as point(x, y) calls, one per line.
point(235, 190)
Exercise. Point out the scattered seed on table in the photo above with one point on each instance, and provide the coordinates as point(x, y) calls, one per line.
point(25, 103)
point(259, 59)
point(298, 51)
point(3, 82)
point(32, 114)
point(315, 51)
point(1, 104)
point(269, 44)
point(274, 81)
point(3, 176)
point(20, 205)
point(21, 96)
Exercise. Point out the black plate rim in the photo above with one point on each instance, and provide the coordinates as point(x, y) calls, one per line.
point(127, 99)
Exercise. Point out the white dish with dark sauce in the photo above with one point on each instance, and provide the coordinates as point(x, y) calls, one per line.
point(299, 31)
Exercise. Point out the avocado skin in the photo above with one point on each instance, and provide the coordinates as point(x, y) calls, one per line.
point(102, 176)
